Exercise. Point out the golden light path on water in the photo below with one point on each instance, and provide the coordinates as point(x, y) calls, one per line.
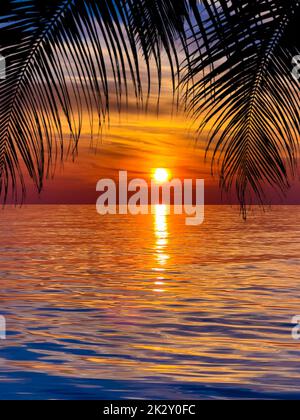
point(147, 307)
point(161, 229)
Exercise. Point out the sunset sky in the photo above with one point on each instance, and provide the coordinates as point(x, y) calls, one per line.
point(138, 144)
point(138, 141)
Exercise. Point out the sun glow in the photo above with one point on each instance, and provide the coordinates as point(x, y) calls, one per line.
point(161, 175)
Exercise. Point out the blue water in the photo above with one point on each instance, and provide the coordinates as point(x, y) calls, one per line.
point(122, 307)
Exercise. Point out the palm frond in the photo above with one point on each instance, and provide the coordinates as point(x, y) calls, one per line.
point(61, 56)
point(240, 86)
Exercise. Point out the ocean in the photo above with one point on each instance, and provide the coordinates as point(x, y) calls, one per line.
point(124, 307)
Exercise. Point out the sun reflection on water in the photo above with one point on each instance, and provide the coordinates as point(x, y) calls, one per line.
point(161, 229)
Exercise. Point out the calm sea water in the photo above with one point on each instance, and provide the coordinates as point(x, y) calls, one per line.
point(121, 307)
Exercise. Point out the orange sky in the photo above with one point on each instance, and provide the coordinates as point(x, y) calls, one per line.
point(137, 144)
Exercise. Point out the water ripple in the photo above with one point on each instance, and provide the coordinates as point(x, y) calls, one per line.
point(145, 307)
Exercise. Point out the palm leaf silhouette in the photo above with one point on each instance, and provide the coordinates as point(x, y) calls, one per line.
point(60, 56)
point(241, 88)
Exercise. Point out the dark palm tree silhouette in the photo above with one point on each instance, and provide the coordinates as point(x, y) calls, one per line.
point(237, 74)
point(244, 91)
point(60, 56)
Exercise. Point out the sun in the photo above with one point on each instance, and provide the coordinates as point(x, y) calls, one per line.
point(161, 175)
